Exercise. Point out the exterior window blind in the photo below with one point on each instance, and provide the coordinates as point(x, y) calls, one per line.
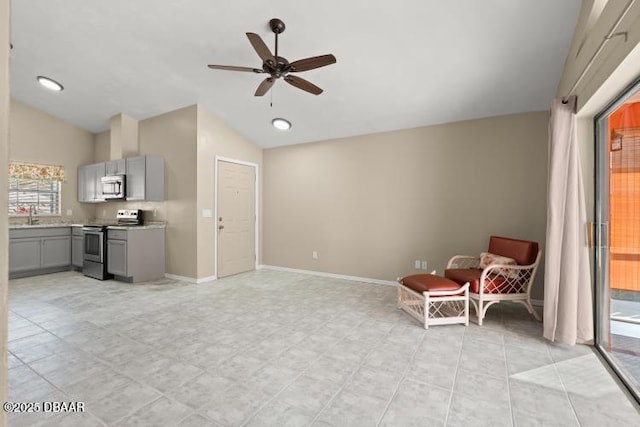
point(36, 187)
point(624, 208)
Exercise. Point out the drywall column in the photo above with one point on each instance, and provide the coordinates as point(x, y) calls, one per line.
point(4, 220)
point(123, 137)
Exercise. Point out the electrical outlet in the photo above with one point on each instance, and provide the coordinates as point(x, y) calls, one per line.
point(424, 265)
point(416, 264)
point(314, 255)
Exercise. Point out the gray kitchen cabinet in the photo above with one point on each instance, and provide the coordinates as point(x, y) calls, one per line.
point(82, 177)
point(56, 252)
point(24, 254)
point(39, 250)
point(136, 254)
point(117, 257)
point(77, 246)
point(145, 178)
point(116, 167)
point(90, 182)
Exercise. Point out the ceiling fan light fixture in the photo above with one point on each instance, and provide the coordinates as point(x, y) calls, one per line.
point(50, 83)
point(281, 124)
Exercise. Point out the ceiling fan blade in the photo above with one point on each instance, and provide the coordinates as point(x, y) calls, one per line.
point(261, 48)
point(265, 86)
point(313, 62)
point(234, 68)
point(303, 84)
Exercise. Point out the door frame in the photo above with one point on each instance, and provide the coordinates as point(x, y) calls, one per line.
point(602, 296)
point(256, 236)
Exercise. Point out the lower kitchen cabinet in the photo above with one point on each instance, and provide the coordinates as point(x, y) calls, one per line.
point(77, 246)
point(56, 252)
point(136, 254)
point(39, 250)
point(117, 257)
point(24, 254)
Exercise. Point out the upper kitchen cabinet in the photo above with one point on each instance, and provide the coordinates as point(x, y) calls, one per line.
point(145, 178)
point(116, 167)
point(90, 184)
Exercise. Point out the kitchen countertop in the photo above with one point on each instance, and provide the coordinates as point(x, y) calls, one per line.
point(60, 224)
point(136, 227)
point(51, 225)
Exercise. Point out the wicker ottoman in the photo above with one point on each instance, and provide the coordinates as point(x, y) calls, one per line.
point(434, 300)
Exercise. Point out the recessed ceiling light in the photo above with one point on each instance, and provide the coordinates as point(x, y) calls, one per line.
point(49, 83)
point(281, 124)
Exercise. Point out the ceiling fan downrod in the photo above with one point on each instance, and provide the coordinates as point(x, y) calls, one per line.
point(277, 26)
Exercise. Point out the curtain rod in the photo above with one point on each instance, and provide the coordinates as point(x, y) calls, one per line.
point(612, 33)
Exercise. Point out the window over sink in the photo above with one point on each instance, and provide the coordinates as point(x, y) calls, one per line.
point(35, 188)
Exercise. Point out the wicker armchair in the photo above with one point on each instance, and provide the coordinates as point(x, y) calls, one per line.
point(499, 280)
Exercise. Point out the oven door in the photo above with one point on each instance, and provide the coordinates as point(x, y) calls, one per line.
point(93, 245)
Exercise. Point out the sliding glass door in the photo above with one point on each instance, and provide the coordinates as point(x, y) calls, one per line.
point(617, 236)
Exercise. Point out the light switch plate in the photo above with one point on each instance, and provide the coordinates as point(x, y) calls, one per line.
point(207, 213)
point(69, 212)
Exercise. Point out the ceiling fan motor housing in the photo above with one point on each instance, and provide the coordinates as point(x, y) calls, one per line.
point(280, 69)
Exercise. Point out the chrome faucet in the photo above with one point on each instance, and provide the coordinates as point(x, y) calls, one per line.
point(32, 220)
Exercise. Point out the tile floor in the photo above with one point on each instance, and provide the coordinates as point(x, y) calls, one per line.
point(270, 348)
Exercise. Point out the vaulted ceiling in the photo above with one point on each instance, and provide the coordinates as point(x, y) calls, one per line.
point(400, 64)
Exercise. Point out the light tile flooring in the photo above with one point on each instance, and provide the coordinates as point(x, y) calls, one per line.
point(269, 348)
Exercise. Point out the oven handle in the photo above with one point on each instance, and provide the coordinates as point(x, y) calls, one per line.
point(92, 230)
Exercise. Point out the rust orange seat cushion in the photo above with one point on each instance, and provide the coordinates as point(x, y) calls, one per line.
point(494, 284)
point(429, 282)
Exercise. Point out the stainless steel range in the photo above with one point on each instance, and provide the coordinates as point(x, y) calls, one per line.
point(94, 262)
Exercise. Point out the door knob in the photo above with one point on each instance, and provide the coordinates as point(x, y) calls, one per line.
point(220, 227)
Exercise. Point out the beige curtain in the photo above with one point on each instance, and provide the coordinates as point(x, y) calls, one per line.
point(568, 298)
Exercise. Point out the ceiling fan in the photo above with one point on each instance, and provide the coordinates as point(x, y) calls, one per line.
point(277, 66)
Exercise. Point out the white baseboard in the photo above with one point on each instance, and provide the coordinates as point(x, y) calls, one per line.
point(534, 302)
point(329, 275)
point(190, 279)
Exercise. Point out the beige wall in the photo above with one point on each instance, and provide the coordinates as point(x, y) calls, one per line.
point(37, 137)
point(371, 205)
point(189, 139)
point(101, 147)
point(216, 138)
point(172, 136)
point(4, 232)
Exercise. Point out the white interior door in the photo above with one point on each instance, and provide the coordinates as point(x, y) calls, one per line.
point(236, 218)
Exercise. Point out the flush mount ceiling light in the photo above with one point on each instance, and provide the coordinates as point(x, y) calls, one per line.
point(50, 83)
point(281, 124)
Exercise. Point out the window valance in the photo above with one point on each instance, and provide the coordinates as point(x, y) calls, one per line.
point(35, 171)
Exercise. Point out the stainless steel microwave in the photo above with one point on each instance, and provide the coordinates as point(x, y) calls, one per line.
point(113, 186)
